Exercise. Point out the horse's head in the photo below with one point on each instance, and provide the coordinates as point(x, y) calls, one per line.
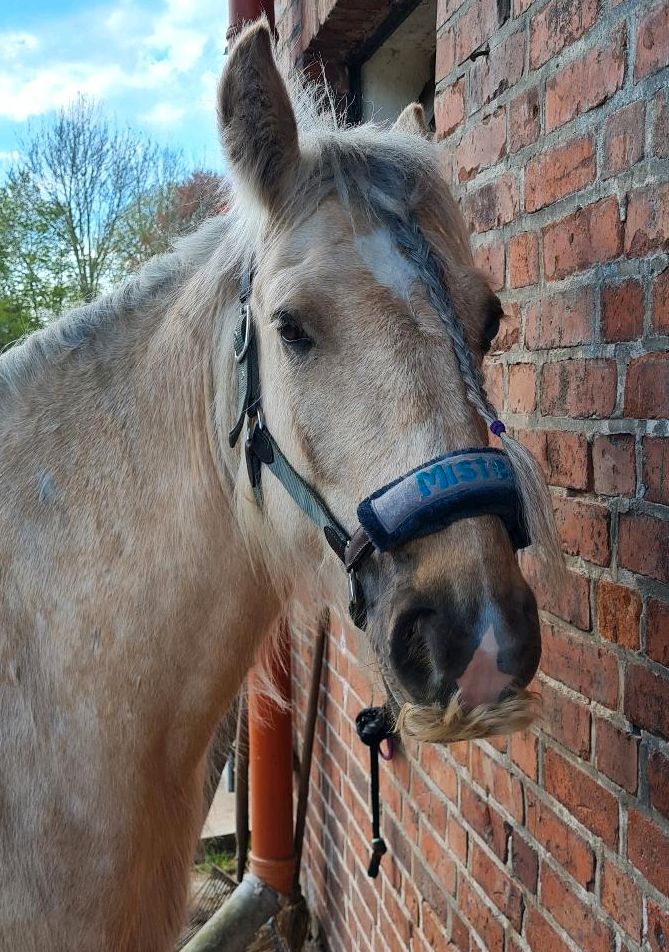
point(370, 325)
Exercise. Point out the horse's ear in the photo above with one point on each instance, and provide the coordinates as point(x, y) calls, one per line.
point(256, 118)
point(412, 119)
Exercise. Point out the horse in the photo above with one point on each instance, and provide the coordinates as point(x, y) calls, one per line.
point(147, 550)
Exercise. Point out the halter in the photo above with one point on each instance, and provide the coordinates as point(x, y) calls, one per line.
point(457, 485)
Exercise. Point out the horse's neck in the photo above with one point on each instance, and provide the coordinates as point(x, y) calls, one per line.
point(151, 600)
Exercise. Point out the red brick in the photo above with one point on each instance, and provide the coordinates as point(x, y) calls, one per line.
point(446, 9)
point(540, 935)
point(647, 222)
point(560, 171)
point(433, 928)
point(658, 927)
point(579, 388)
point(647, 387)
point(655, 476)
point(588, 236)
point(480, 917)
point(657, 771)
point(522, 388)
point(657, 631)
point(489, 257)
point(614, 464)
point(493, 379)
point(524, 119)
point(622, 311)
point(474, 27)
point(618, 614)
point(616, 754)
point(570, 600)
point(560, 23)
point(587, 800)
point(449, 108)
point(497, 886)
point(583, 528)
point(483, 145)
point(523, 752)
point(661, 303)
point(567, 720)
point(441, 774)
point(523, 260)
point(457, 839)
point(581, 664)
point(437, 859)
point(491, 75)
point(492, 205)
point(525, 862)
point(623, 138)
point(647, 699)
point(661, 127)
point(445, 59)
point(642, 545)
point(560, 320)
point(485, 820)
point(621, 898)
point(652, 42)
point(587, 82)
point(575, 916)
point(648, 850)
point(505, 788)
point(560, 839)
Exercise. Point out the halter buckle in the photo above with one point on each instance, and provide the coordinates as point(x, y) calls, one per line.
point(356, 601)
point(245, 321)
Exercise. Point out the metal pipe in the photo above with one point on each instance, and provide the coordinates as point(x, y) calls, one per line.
point(270, 771)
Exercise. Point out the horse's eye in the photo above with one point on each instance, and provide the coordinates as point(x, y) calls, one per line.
point(495, 313)
point(293, 334)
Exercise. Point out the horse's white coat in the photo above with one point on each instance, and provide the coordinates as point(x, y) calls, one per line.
point(390, 268)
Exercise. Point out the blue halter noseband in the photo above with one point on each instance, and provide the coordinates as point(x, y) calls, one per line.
point(451, 487)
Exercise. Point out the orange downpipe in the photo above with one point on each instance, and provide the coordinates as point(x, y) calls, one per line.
point(244, 11)
point(270, 773)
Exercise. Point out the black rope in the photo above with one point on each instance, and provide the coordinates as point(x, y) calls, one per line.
point(374, 725)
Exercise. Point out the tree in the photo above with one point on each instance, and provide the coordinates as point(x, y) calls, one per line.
point(87, 187)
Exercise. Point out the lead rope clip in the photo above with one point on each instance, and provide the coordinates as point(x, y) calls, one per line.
point(374, 725)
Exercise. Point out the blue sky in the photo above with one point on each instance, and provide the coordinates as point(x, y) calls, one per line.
point(151, 63)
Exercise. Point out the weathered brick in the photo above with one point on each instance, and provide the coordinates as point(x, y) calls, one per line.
point(474, 27)
point(579, 388)
point(497, 885)
point(560, 839)
point(647, 699)
point(661, 127)
point(437, 859)
point(524, 119)
point(485, 819)
point(491, 75)
point(587, 82)
point(655, 472)
point(622, 311)
point(541, 935)
point(614, 464)
point(560, 23)
point(657, 772)
point(560, 320)
point(493, 378)
point(446, 9)
point(616, 754)
point(506, 789)
point(652, 42)
point(445, 58)
point(523, 751)
point(618, 613)
point(648, 850)
point(580, 663)
point(621, 898)
point(588, 236)
point(523, 260)
point(583, 528)
point(490, 257)
point(587, 800)
point(660, 309)
point(623, 138)
point(492, 205)
point(525, 861)
point(657, 631)
point(647, 222)
point(560, 171)
point(478, 915)
point(642, 545)
point(576, 917)
point(658, 927)
point(483, 145)
point(647, 387)
point(522, 388)
point(565, 719)
point(449, 108)
point(570, 601)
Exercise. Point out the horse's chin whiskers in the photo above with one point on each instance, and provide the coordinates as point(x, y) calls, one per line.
point(439, 725)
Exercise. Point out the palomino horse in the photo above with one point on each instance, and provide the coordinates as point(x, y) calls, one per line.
point(141, 570)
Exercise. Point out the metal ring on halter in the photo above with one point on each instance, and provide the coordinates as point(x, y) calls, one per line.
point(245, 313)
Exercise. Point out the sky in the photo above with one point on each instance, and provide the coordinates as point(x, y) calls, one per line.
point(151, 63)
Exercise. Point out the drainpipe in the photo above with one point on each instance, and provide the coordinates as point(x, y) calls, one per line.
point(244, 11)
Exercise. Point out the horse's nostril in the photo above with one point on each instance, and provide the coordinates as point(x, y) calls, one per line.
point(409, 649)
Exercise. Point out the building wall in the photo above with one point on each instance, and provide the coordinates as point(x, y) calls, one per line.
point(557, 143)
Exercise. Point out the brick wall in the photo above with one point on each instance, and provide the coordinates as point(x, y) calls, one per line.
point(557, 143)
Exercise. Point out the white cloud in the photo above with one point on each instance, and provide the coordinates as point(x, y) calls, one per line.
point(9, 155)
point(13, 45)
point(164, 114)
